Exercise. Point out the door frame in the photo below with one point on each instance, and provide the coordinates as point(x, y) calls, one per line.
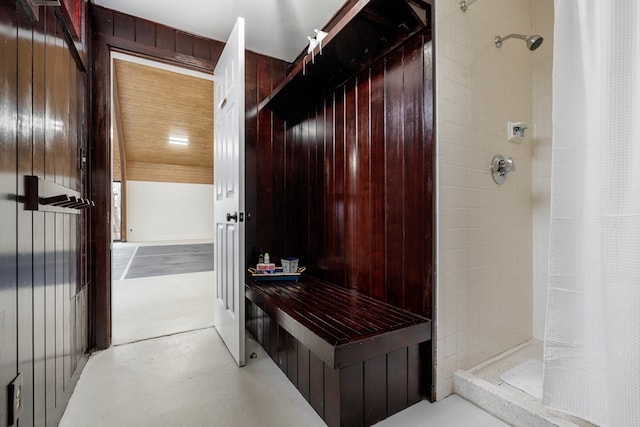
point(99, 166)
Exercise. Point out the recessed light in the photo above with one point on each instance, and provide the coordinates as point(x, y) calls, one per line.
point(178, 141)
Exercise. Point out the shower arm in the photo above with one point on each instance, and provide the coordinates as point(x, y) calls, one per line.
point(498, 40)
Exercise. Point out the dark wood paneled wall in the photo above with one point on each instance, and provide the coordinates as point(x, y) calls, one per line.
point(117, 31)
point(351, 187)
point(43, 291)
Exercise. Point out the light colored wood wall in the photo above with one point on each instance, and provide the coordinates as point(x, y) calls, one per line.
point(139, 171)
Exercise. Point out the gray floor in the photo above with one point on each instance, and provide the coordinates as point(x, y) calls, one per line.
point(151, 307)
point(189, 379)
point(171, 378)
point(120, 257)
point(151, 261)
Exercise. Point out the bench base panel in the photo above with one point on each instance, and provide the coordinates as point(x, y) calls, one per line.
point(361, 394)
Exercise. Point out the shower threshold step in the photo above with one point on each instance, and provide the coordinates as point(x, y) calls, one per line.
point(483, 386)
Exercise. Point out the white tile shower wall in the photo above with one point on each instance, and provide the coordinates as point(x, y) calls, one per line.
point(541, 160)
point(484, 297)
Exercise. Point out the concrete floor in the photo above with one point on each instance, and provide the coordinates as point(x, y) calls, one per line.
point(172, 369)
point(151, 307)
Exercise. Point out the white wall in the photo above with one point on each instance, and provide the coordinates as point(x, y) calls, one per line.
point(161, 211)
point(484, 257)
point(541, 167)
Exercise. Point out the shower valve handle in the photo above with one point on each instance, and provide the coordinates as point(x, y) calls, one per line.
point(500, 167)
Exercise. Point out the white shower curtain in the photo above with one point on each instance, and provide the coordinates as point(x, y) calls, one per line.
point(592, 337)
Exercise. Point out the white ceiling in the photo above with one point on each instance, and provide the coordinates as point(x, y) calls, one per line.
point(277, 28)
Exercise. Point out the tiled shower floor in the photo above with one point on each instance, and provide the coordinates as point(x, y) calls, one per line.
point(482, 385)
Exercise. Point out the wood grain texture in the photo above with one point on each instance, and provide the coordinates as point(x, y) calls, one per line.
point(8, 178)
point(379, 375)
point(375, 390)
point(339, 326)
point(156, 104)
point(358, 194)
point(42, 114)
point(25, 279)
point(139, 171)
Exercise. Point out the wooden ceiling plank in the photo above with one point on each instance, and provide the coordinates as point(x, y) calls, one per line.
point(156, 103)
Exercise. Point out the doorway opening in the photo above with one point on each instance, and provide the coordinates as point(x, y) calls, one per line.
point(162, 204)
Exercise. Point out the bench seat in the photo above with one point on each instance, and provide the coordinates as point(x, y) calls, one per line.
point(355, 359)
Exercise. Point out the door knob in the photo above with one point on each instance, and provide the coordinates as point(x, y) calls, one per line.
point(232, 217)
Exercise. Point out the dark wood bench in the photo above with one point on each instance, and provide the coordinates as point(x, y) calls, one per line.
point(356, 360)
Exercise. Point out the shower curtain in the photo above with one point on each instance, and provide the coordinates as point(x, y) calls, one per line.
point(592, 332)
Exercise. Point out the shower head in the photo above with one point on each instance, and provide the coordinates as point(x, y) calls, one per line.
point(533, 41)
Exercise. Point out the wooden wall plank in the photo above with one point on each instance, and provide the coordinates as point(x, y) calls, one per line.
point(165, 37)
point(331, 264)
point(103, 21)
point(50, 96)
point(74, 316)
point(251, 153)
point(124, 26)
point(332, 397)
point(378, 228)
point(292, 360)
point(8, 187)
point(50, 313)
point(417, 371)
point(202, 48)
point(278, 137)
point(352, 165)
point(39, 69)
point(39, 321)
point(281, 349)
point(145, 32)
point(74, 125)
point(352, 395)
point(375, 390)
point(397, 381)
point(316, 384)
point(25, 218)
point(264, 176)
point(273, 332)
point(362, 178)
point(338, 168)
point(59, 297)
point(303, 371)
point(266, 333)
point(319, 218)
point(429, 162)
point(184, 43)
point(414, 175)
point(394, 179)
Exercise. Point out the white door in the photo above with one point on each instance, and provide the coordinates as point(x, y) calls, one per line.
point(228, 147)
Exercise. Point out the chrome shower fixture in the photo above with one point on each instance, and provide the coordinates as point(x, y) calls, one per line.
point(533, 41)
point(500, 167)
